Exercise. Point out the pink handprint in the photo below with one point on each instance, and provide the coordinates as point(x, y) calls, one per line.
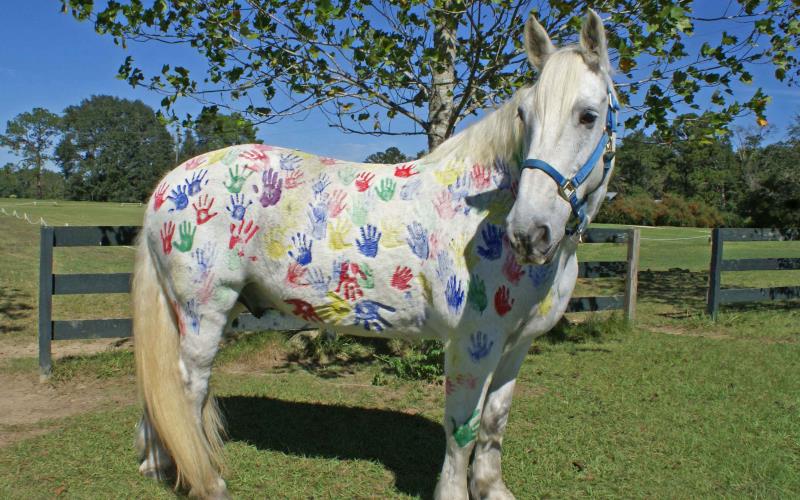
point(481, 176)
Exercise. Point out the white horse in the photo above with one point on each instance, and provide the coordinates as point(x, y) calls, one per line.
point(473, 244)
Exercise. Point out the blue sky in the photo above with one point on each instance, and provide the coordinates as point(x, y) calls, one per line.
point(50, 60)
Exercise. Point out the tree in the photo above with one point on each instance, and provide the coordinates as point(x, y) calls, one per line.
point(113, 150)
point(641, 165)
point(405, 68)
point(391, 155)
point(212, 130)
point(31, 135)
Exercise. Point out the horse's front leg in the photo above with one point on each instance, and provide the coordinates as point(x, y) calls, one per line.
point(469, 364)
point(486, 478)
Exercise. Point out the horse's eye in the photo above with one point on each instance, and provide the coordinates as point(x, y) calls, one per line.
point(588, 118)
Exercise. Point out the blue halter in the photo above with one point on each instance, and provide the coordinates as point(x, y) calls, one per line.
point(568, 188)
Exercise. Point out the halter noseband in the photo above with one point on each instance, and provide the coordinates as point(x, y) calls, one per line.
point(568, 188)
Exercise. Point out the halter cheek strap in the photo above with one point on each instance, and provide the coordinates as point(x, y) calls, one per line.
point(568, 188)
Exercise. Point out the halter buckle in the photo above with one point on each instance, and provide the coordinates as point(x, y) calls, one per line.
point(567, 189)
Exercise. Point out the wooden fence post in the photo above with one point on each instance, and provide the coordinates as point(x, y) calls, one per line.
point(45, 300)
point(632, 275)
point(715, 273)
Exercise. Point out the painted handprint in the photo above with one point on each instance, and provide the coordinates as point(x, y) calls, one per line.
point(480, 346)
point(538, 274)
point(349, 274)
point(444, 265)
point(303, 309)
point(166, 237)
point(295, 274)
point(193, 163)
point(481, 176)
point(476, 294)
point(501, 175)
point(318, 280)
point(447, 175)
point(294, 179)
point(368, 313)
point(338, 231)
point(193, 315)
point(244, 230)
point(346, 174)
point(237, 207)
point(511, 269)
point(359, 212)
point(195, 184)
point(454, 294)
point(327, 161)
point(272, 186)
point(186, 234)
point(289, 162)
point(368, 244)
point(302, 245)
point(318, 217)
point(418, 240)
point(405, 171)
point(336, 203)
point(392, 234)
point(444, 205)
point(258, 155)
point(179, 198)
point(368, 281)
point(203, 208)
point(320, 184)
point(386, 189)
point(460, 188)
point(336, 310)
point(363, 181)
point(503, 301)
point(204, 261)
point(159, 196)
point(493, 241)
point(402, 275)
point(236, 180)
point(409, 190)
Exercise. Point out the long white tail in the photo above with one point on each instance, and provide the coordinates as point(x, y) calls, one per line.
point(195, 449)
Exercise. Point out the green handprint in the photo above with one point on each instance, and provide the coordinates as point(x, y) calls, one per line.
point(476, 296)
point(358, 213)
point(237, 179)
point(386, 189)
point(346, 174)
point(186, 234)
point(368, 281)
point(467, 432)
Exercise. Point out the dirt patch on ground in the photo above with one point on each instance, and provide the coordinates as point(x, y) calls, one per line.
point(671, 330)
point(31, 408)
point(63, 348)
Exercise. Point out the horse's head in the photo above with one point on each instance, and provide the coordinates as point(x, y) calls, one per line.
point(569, 120)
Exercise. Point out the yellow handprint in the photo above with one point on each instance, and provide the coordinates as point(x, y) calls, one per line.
point(427, 291)
point(274, 242)
point(336, 310)
point(449, 174)
point(337, 232)
point(393, 234)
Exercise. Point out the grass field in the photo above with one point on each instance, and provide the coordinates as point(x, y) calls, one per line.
point(677, 407)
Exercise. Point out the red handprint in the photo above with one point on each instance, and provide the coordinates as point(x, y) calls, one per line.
point(327, 161)
point(294, 179)
point(481, 176)
point(402, 275)
point(502, 304)
point(256, 155)
point(304, 310)
point(444, 205)
point(159, 198)
point(349, 282)
point(236, 233)
point(202, 208)
point(166, 237)
point(336, 203)
point(406, 170)
point(193, 163)
point(512, 269)
point(295, 274)
point(362, 181)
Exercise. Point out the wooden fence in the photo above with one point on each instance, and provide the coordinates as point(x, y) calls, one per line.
point(65, 284)
point(717, 295)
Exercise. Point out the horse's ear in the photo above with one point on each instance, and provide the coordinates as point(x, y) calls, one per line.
point(537, 43)
point(593, 41)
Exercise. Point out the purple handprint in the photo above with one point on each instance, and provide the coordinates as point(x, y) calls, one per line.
point(368, 244)
point(493, 239)
point(196, 183)
point(272, 186)
point(288, 161)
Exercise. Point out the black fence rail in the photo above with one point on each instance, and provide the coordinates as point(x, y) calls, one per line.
point(69, 284)
point(718, 295)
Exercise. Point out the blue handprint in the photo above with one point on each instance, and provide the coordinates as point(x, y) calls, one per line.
point(368, 244)
point(288, 161)
point(501, 175)
point(454, 293)
point(538, 274)
point(480, 345)
point(318, 216)
point(179, 198)
point(320, 184)
point(303, 247)
point(418, 240)
point(444, 265)
point(204, 257)
point(318, 281)
point(409, 189)
point(460, 188)
point(493, 239)
point(368, 312)
point(237, 208)
point(196, 183)
point(194, 317)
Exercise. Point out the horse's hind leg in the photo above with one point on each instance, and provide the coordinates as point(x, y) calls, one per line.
point(486, 479)
point(469, 364)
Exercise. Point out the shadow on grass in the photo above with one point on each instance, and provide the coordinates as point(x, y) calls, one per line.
point(409, 446)
point(13, 307)
point(675, 287)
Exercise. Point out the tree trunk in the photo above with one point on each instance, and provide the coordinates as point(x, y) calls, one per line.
point(39, 164)
point(440, 105)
